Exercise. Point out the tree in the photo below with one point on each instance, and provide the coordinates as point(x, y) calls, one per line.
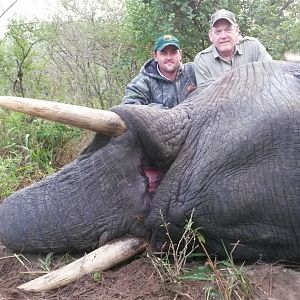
point(8, 8)
point(19, 58)
point(275, 23)
point(87, 47)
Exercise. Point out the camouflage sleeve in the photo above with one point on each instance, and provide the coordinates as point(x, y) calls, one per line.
point(202, 72)
point(137, 92)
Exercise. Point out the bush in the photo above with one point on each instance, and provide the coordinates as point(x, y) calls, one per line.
point(29, 148)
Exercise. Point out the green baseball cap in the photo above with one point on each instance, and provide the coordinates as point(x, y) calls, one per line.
point(165, 41)
point(222, 14)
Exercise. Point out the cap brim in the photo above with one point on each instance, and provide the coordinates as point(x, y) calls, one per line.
point(167, 44)
point(223, 18)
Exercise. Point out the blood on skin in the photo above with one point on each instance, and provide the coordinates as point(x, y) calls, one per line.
point(155, 176)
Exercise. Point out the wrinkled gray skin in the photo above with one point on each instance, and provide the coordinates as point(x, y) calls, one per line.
point(231, 153)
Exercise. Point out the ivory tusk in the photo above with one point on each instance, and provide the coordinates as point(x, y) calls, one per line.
point(102, 121)
point(291, 57)
point(100, 259)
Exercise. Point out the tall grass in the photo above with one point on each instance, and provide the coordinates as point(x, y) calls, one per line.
point(30, 149)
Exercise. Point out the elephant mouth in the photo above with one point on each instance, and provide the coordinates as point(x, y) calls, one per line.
point(154, 176)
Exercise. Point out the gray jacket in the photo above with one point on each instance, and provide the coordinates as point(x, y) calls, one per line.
point(150, 87)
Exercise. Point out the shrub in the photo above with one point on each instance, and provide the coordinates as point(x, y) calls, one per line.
point(29, 149)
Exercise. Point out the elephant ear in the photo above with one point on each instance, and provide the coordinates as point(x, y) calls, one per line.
point(160, 132)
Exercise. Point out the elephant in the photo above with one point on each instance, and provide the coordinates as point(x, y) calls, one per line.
point(229, 156)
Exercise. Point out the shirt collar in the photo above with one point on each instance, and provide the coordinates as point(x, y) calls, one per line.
point(238, 48)
point(215, 52)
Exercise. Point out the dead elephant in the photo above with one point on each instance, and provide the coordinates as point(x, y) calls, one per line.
point(230, 154)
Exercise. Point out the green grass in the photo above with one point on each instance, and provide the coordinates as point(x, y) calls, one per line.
point(30, 149)
point(46, 262)
point(224, 279)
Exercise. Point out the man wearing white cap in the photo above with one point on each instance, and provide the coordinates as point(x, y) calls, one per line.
point(228, 50)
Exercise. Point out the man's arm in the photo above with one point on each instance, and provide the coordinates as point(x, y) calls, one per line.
point(137, 92)
point(201, 70)
point(256, 49)
point(263, 54)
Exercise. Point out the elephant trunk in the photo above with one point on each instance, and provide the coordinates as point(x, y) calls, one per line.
point(105, 122)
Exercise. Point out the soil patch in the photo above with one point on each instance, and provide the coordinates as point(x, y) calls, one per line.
point(136, 280)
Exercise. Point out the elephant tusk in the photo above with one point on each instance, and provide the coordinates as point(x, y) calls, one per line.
point(102, 121)
point(100, 259)
point(291, 57)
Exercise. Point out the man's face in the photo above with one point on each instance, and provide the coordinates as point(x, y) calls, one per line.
point(168, 59)
point(224, 36)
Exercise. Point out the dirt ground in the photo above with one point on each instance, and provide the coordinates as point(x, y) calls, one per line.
point(136, 280)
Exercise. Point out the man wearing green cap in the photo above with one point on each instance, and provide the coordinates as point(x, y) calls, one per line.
point(229, 49)
point(163, 80)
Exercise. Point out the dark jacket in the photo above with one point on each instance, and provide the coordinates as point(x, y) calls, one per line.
point(150, 87)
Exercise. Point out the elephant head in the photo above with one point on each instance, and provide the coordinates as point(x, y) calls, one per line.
point(228, 155)
point(104, 194)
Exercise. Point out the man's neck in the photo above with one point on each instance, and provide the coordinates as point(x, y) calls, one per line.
point(227, 55)
point(167, 75)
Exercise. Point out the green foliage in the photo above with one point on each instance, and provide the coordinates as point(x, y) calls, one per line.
point(47, 262)
point(274, 23)
point(28, 149)
point(21, 62)
point(144, 30)
point(90, 53)
point(12, 173)
point(96, 276)
point(226, 279)
point(171, 263)
point(230, 281)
